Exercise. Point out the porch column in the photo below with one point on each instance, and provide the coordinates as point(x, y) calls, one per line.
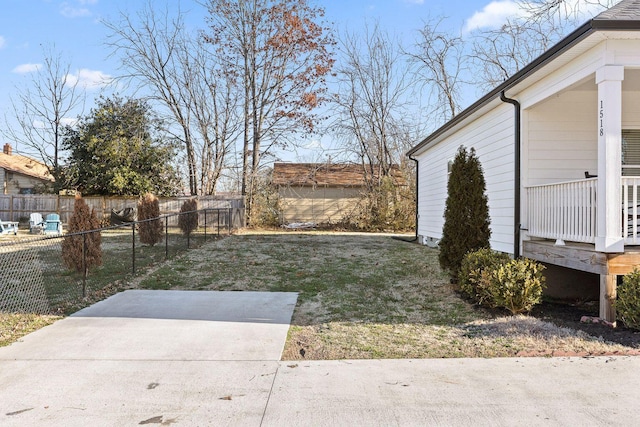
point(609, 210)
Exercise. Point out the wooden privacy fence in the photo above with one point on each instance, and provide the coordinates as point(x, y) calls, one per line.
point(20, 207)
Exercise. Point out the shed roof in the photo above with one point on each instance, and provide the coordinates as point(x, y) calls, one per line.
point(624, 16)
point(24, 165)
point(324, 174)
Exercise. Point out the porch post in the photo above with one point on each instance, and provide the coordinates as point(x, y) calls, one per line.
point(608, 294)
point(609, 210)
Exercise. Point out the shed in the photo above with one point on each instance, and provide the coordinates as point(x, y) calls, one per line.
point(559, 142)
point(322, 193)
point(20, 174)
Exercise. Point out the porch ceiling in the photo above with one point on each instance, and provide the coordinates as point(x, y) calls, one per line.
point(631, 82)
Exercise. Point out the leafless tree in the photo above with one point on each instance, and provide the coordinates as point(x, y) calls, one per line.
point(439, 59)
point(371, 101)
point(562, 10)
point(148, 51)
point(498, 53)
point(41, 109)
point(181, 74)
point(280, 53)
point(211, 96)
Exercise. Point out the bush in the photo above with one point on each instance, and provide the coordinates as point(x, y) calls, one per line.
point(466, 215)
point(628, 302)
point(475, 273)
point(82, 219)
point(188, 219)
point(150, 231)
point(517, 285)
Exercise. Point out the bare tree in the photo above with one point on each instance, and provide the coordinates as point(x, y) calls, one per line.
point(498, 53)
point(41, 109)
point(157, 53)
point(147, 51)
point(372, 99)
point(279, 50)
point(211, 96)
point(439, 60)
point(562, 10)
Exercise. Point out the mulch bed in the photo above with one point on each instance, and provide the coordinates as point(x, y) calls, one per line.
point(568, 315)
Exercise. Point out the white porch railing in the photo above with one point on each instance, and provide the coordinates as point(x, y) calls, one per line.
point(567, 210)
point(564, 210)
point(630, 210)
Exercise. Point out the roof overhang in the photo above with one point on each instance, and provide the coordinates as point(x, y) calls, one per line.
point(583, 38)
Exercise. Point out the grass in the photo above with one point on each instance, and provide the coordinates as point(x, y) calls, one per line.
point(14, 326)
point(35, 265)
point(362, 296)
point(366, 296)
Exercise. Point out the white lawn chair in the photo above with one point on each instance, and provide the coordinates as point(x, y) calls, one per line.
point(36, 223)
point(8, 227)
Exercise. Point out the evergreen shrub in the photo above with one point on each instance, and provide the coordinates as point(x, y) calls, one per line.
point(475, 273)
point(188, 219)
point(517, 285)
point(628, 302)
point(466, 217)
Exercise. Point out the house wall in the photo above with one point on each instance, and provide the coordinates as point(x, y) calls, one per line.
point(561, 140)
point(319, 204)
point(630, 110)
point(13, 182)
point(492, 136)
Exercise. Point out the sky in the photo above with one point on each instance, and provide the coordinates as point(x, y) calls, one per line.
point(75, 28)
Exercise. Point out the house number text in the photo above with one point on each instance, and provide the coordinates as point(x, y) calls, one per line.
point(601, 119)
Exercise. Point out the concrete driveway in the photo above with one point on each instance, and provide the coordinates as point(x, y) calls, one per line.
point(212, 358)
point(150, 357)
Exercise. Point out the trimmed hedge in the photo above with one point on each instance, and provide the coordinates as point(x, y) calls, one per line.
point(475, 273)
point(517, 285)
point(495, 280)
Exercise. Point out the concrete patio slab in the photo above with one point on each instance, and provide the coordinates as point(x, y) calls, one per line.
point(167, 325)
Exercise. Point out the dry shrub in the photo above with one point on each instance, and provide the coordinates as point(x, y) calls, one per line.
point(150, 229)
point(384, 206)
point(188, 220)
point(73, 253)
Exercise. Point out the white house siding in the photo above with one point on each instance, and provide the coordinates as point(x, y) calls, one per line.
point(630, 110)
point(493, 139)
point(561, 140)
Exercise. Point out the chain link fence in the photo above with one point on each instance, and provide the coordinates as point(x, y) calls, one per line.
point(34, 278)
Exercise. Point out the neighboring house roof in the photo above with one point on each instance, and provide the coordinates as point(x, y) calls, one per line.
point(324, 174)
point(624, 16)
point(23, 165)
